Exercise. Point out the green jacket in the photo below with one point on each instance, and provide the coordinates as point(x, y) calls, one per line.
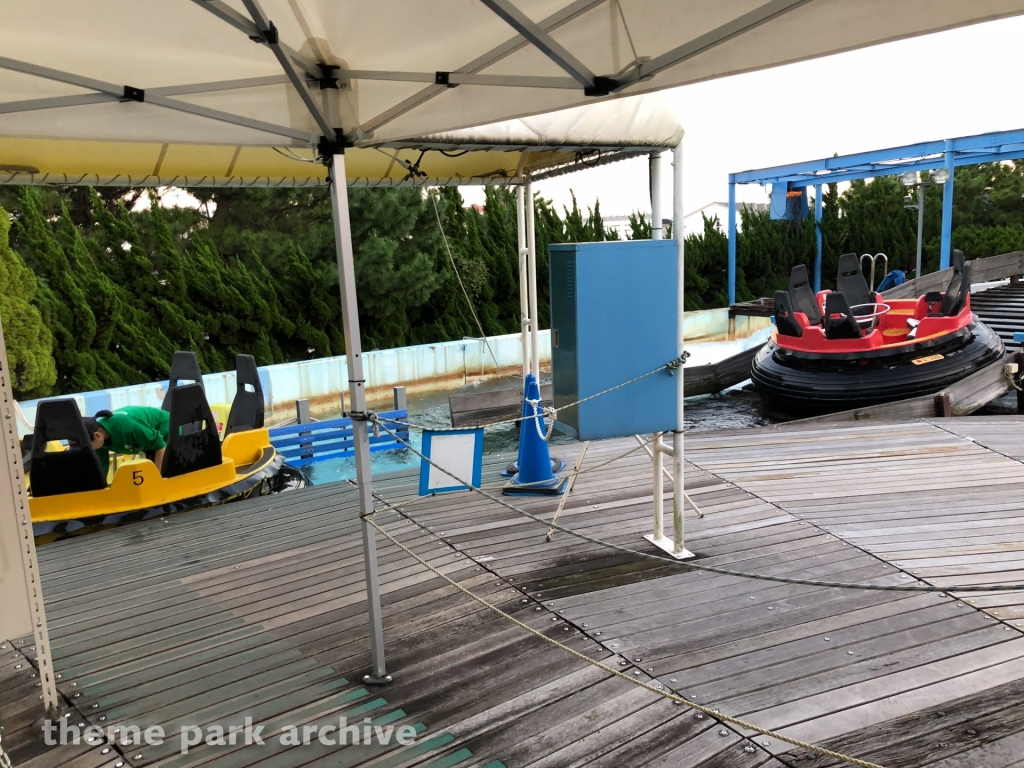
point(135, 429)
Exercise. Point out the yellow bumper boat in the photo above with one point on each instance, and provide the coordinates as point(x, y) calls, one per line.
point(68, 488)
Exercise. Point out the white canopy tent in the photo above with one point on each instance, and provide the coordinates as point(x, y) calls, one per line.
point(248, 92)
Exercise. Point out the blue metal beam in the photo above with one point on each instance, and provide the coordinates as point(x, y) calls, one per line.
point(925, 155)
point(732, 243)
point(947, 210)
point(817, 237)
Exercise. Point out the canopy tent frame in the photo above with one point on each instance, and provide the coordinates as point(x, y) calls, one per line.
point(923, 156)
point(56, 144)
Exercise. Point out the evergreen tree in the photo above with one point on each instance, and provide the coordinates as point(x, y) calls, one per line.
point(29, 342)
point(61, 301)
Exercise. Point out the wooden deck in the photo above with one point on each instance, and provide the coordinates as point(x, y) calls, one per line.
point(257, 609)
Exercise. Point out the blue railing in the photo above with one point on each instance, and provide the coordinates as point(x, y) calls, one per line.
point(302, 444)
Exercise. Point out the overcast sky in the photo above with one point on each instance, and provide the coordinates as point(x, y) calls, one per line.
point(950, 84)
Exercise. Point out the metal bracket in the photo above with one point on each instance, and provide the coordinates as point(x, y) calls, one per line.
point(268, 36)
point(444, 78)
point(373, 680)
point(330, 76)
point(133, 94)
point(602, 86)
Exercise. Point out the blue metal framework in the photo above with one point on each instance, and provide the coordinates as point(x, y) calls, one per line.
point(926, 156)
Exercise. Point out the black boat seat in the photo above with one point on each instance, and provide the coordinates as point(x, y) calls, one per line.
point(785, 322)
point(958, 290)
point(840, 322)
point(192, 442)
point(802, 295)
point(72, 471)
point(958, 259)
point(851, 282)
point(184, 370)
point(247, 407)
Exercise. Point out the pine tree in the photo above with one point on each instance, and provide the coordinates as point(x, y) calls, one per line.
point(60, 299)
point(29, 342)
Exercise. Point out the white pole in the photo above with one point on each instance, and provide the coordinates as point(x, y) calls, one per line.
point(658, 454)
point(23, 609)
point(531, 247)
point(657, 229)
point(679, 549)
point(357, 398)
point(524, 280)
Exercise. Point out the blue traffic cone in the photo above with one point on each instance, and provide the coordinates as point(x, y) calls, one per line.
point(536, 473)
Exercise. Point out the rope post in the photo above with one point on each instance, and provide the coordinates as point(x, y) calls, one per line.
point(357, 395)
point(524, 279)
point(658, 448)
point(531, 248)
point(676, 547)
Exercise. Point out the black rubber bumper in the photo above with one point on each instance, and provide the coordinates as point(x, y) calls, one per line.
point(802, 387)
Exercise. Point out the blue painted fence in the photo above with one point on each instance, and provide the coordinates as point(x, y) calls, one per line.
point(302, 444)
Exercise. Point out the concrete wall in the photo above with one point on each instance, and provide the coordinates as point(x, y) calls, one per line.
point(424, 368)
point(419, 369)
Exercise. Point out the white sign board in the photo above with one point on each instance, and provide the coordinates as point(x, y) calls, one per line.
point(456, 457)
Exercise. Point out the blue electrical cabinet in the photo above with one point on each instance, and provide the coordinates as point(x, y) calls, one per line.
point(613, 317)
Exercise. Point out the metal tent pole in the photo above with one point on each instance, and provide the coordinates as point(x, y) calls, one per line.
point(524, 280)
point(657, 228)
point(947, 208)
point(357, 398)
point(732, 235)
point(817, 236)
point(23, 609)
point(531, 247)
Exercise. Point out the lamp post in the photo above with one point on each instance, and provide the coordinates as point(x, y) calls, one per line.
point(913, 179)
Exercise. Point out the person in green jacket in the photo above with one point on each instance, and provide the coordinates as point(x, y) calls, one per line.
point(128, 430)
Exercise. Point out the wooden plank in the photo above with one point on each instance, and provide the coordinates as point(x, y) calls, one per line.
point(982, 270)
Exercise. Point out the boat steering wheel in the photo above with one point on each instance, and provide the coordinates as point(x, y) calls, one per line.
point(870, 318)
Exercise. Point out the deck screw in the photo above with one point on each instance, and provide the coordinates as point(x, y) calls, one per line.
point(105, 750)
point(554, 618)
point(138, 757)
point(525, 600)
point(650, 669)
point(102, 718)
point(597, 633)
point(74, 685)
point(850, 653)
point(972, 733)
point(95, 706)
point(700, 716)
point(827, 639)
point(17, 666)
point(764, 743)
point(672, 680)
point(943, 744)
point(76, 696)
point(536, 609)
point(616, 645)
point(637, 673)
point(723, 732)
point(770, 608)
point(748, 748)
